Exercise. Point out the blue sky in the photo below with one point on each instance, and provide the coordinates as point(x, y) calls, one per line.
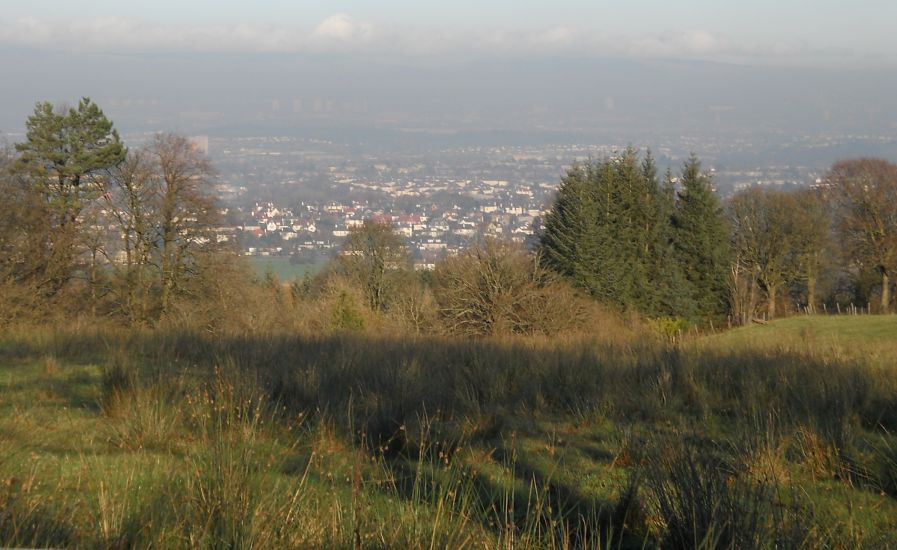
point(816, 31)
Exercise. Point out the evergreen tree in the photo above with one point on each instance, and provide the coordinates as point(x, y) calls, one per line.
point(64, 155)
point(64, 151)
point(620, 235)
point(701, 242)
point(569, 228)
point(608, 258)
point(584, 238)
point(667, 283)
point(632, 231)
point(596, 232)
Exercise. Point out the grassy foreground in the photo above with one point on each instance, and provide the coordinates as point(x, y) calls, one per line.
point(769, 436)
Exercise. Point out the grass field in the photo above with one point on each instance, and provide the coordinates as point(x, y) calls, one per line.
point(282, 268)
point(847, 330)
point(759, 437)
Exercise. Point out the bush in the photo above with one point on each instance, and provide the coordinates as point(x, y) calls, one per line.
point(496, 288)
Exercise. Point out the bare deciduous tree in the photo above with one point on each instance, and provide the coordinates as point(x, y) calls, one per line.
point(373, 258)
point(129, 200)
point(811, 239)
point(162, 201)
point(185, 208)
point(763, 242)
point(865, 192)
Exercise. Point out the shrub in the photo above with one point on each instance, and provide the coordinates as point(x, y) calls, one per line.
point(345, 314)
point(496, 288)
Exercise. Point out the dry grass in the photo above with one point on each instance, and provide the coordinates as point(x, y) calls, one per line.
point(184, 439)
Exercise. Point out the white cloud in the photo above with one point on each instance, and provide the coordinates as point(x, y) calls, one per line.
point(557, 36)
point(126, 34)
point(342, 28)
point(341, 32)
point(699, 42)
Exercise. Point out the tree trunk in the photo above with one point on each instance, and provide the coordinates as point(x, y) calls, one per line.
point(165, 276)
point(811, 294)
point(885, 292)
point(93, 282)
point(771, 304)
point(752, 301)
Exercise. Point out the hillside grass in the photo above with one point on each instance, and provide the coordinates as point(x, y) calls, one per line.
point(843, 330)
point(758, 437)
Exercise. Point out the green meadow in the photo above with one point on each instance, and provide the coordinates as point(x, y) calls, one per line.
point(778, 435)
point(282, 268)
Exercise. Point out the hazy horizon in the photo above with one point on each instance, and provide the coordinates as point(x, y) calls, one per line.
point(400, 74)
point(817, 32)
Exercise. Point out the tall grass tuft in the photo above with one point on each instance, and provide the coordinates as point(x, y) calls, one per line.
point(702, 502)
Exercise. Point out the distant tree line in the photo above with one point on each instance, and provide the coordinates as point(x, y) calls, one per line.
point(670, 248)
point(91, 227)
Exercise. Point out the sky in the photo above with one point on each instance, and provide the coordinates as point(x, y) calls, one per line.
point(708, 66)
point(811, 32)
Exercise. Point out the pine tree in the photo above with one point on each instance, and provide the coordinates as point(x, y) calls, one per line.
point(615, 232)
point(622, 224)
point(666, 296)
point(595, 234)
point(64, 154)
point(701, 242)
point(570, 224)
point(63, 151)
point(673, 290)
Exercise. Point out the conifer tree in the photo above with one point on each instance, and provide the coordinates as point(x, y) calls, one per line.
point(570, 225)
point(599, 229)
point(609, 273)
point(701, 242)
point(670, 295)
point(620, 235)
point(63, 151)
point(63, 156)
point(633, 231)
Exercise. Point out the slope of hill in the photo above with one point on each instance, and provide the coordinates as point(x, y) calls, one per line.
point(849, 331)
point(769, 436)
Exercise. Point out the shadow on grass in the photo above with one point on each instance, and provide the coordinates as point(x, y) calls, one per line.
point(380, 387)
point(45, 391)
point(521, 503)
point(24, 524)
point(387, 381)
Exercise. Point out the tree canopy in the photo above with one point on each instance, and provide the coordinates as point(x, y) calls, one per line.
point(65, 155)
point(865, 193)
point(624, 238)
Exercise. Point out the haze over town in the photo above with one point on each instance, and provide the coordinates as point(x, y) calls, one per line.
point(459, 117)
